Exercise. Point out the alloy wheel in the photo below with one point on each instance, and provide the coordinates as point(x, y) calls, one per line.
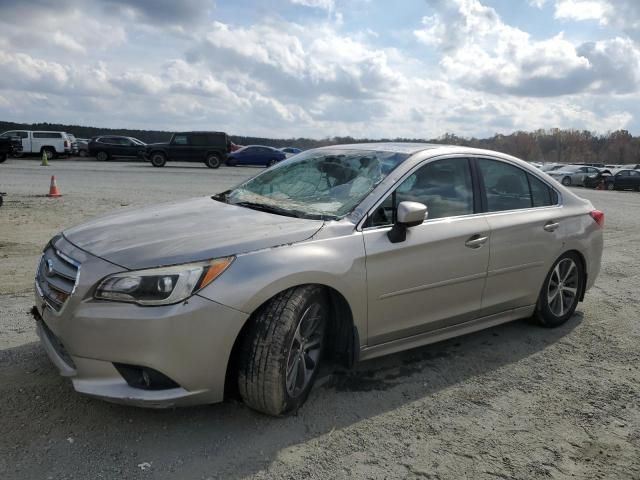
point(306, 346)
point(563, 287)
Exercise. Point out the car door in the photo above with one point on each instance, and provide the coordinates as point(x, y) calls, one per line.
point(435, 277)
point(634, 180)
point(526, 227)
point(246, 156)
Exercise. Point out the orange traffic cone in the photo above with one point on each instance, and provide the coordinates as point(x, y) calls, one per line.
point(53, 189)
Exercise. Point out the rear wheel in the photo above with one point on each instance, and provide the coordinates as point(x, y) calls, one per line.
point(282, 350)
point(158, 159)
point(49, 152)
point(566, 181)
point(3, 157)
point(102, 156)
point(560, 292)
point(213, 161)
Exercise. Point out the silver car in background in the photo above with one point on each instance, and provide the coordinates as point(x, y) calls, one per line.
point(573, 174)
point(338, 254)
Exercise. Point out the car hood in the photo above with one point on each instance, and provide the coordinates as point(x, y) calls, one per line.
point(187, 231)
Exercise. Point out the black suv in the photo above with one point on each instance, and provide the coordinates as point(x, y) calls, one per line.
point(208, 147)
point(111, 146)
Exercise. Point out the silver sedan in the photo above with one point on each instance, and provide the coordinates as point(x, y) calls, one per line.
point(338, 255)
point(573, 174)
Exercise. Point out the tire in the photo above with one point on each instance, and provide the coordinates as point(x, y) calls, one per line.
point(3, 157)
point(82, 153)
point(274, 377)
point(611, 186)
point(566, 181)
point(158, 159)
point(272, 162)
point(102, 156)
point(556, 305)
point(17, 154)
point(213, 161)
point(49, 152)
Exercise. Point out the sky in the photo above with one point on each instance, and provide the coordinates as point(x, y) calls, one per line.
point(322, 68)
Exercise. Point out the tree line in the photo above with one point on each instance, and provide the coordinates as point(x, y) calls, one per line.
point(544, 145)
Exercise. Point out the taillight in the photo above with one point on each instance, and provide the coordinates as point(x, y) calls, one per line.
point(598, 217)
point(66, 144)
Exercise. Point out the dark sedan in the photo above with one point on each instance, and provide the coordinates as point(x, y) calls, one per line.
point(255, 155)
point(111, 146)
point(623, 179)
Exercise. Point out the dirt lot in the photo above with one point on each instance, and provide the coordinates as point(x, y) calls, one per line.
point(515, 401)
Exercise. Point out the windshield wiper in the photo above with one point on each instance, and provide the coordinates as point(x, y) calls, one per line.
point(280, 211)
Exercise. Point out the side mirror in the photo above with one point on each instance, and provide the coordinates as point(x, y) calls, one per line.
point(408, 214)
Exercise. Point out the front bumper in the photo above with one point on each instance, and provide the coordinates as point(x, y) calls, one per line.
point(190, 342)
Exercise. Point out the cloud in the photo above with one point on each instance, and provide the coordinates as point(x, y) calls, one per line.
point(323, 4)
point(583, 10)
point(482, 52)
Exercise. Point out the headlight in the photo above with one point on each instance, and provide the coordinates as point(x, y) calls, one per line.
point(161, 286)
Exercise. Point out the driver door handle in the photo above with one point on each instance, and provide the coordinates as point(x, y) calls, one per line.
point(476, 241)
point(551, 226)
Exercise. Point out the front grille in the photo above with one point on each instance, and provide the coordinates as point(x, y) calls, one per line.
point(56, 278)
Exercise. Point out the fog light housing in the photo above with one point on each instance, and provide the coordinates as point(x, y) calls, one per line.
point(144, 378)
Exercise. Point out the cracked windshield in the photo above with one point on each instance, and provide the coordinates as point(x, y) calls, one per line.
point(321, 184)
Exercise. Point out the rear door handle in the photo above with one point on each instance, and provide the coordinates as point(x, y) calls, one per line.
point(551, 226)
point(476, 241)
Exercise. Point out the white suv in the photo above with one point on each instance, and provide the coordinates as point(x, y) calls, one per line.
point(51, 143)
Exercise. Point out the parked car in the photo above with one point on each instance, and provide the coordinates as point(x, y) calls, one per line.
point(596, 180)
point(74, 144)
point(255, 155)
point(208, 147)
point(289, 151)
point(83, 147)
point(339, 254)
point(572, 174)
point(107, 147)
point(548, 167)
point(9, 146)
point(623, 179)
point(39, 142)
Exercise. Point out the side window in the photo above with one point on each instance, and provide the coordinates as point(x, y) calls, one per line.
point(180, 140)
point(623, 173)
point(199, 140)
point(444, 186)
point(541, 194)
point(634, 174)
point(506, 185)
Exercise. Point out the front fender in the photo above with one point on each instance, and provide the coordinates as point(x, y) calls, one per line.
point(255, 277)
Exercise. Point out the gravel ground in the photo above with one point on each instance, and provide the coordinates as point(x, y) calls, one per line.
point(515, 401)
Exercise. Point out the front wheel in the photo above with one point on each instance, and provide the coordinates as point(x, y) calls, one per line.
point(282, 350)
point(611, 186)
point(213, 161)
point(272, 162)
point(560, 292)
point(82, 153)
point(566, 181)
